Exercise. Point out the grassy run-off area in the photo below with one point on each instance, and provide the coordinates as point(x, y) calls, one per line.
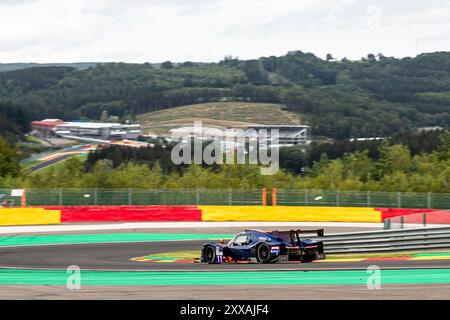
point(220, 114)
point(56, 165)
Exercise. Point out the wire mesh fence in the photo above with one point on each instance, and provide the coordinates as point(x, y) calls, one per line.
point(342, 198)
point(7, 199)
point(104, 197)
point(282, 197)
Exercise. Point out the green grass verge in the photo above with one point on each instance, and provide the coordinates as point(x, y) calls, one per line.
point(58, 165)
point(222, 114)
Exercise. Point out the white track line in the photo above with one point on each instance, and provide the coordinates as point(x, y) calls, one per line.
point(177, 225)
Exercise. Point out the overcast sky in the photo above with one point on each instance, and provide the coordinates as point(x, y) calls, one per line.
point(207, 30)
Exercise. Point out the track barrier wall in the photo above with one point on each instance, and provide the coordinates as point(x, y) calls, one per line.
point(387, 213)
point(282, 213)
point(418, 220)
point(68, 214)
point(29, 216)
point(128, 213)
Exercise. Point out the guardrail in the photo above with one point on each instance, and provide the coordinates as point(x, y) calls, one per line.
point(387, 241)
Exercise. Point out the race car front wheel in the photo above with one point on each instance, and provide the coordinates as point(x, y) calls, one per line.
point(263, 253)
point(210, 255)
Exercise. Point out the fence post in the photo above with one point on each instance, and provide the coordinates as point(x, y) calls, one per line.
point(197, 196)
point(274, 197)
point(429, 200)
point(60, 197)
point(338, 200)
point(424, 219)
point(95, 197)
point(306, 197)
point(368, 199)
point(402, 220)
point(230, 197)
point(264, 197)
point(399, 200)
point(130, 197)
point(387, 224)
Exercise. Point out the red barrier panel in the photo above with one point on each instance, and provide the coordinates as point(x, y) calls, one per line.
point(395, 212)
point(167, 213)
point(439, 217)
point(435, 217)
point(128, 213)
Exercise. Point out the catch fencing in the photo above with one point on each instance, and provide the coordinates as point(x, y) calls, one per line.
point(232, 197)
point(340, 198)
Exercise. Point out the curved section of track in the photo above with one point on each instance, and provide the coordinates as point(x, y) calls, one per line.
point(116, 256)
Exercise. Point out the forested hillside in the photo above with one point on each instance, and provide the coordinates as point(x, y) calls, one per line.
point(4, 67)
point(374, 96)
point(14, 120)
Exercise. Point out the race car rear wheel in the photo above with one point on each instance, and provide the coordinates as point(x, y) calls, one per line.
point(263, 253)
point(210, 254)
point(307, 258)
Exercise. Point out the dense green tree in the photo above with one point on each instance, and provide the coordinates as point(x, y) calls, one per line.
point(444, 145)
point(167, 65)
point(9, 160)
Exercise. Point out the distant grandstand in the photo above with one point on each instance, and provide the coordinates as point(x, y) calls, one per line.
point(289, 135)
point(94, 130)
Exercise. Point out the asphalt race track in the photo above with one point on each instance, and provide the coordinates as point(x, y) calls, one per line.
point(49, 162)
point(116, 256)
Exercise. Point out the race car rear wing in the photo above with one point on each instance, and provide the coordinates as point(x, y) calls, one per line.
point(278, 233)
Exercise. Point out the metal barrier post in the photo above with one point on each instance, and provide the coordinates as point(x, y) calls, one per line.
point(399, 200)
point(368, 198)
point(95, 197)
point(230, 196)
point(402, 220)
point(130, 198)
point(60, 198)
point(264, 197)
point(424, 219)
point(338, 200)
point(429, 200)
point(197, 196)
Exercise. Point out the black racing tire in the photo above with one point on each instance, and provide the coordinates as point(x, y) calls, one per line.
point(307, 258)
point(209, 254)
point(263, 253)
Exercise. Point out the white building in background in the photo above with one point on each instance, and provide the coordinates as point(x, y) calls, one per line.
point(288, 135)
point(109, 131)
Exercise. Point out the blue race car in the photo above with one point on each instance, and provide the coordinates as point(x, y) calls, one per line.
point(265, 247)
